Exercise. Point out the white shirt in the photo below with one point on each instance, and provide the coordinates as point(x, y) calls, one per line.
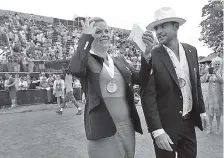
point(68, 83)
point(76, 84)
point(182, 71)
point(23, 84)
point(59, 82)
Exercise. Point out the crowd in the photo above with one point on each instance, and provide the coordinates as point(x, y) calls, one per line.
point(32, 42)
point(43, 81)
point(26, 82)
point(38, 40)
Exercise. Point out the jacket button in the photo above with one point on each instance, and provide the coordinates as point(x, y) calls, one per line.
point(180, 112)
point(181, 97)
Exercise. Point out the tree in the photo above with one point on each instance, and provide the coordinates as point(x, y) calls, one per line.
point(212, 25)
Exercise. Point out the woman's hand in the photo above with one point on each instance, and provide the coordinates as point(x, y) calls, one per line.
point(87, 27)
point(215, 71)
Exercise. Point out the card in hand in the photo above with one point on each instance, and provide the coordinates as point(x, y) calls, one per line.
point(136, 37)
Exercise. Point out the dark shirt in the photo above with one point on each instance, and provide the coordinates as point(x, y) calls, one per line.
point(2, 87)
point(34, 85)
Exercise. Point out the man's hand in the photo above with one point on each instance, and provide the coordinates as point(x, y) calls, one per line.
point(150, 42)
point(163, 141)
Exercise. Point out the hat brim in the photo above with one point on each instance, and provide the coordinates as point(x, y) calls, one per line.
point(151, 26)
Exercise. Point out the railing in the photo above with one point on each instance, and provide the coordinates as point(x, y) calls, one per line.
point(17, 66)
point(32, 66)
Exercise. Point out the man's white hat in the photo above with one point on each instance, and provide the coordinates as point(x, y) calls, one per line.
point(165, 14)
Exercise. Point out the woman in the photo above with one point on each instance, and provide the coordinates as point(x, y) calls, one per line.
point(58, 88)
point(214, 99)
point(110, 116)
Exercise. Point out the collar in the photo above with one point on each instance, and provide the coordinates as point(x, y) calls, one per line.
point(179, 45)
point(92, 52)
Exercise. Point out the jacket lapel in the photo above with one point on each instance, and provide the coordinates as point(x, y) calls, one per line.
point(95, 64)
point(190, 61)
point(168, 63)
point(125, 72)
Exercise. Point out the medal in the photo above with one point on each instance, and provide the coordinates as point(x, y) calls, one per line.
point(112, 87)
point(182, 82)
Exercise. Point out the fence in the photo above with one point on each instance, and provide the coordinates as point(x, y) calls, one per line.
point(31, 66)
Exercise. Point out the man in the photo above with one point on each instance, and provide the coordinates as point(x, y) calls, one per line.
point(172, 99)
point(69, 94)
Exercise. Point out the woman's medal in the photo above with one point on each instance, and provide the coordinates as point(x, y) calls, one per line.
point(111, 85)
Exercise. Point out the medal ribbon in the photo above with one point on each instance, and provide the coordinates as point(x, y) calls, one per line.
point(110, 68)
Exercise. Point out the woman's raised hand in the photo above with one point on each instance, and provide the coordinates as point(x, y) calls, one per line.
point(87, 27)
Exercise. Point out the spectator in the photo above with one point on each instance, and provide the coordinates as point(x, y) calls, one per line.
point(34, 83)
point(30, 66)
point(10, 87)
point(58, 88)
point(23, 84)
point(41, 76)
point(2, 87)
point(17, 81)
point(51, 79)
point(214, 98)
point(45, 85)
point(28, 79)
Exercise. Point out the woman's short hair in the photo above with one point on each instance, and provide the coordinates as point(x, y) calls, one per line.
point(216, 60)
point(96, 19)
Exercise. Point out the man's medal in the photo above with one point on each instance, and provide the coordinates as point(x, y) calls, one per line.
point(182, 82)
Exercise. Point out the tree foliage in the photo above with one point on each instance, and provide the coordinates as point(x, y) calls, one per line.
point(212, 25)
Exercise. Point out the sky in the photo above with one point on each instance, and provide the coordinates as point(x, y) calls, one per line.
point(120, 13)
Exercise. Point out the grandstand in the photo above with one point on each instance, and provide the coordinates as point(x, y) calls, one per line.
point(34, 43)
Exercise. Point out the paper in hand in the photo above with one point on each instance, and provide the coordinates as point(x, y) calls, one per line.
point(136, 37)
